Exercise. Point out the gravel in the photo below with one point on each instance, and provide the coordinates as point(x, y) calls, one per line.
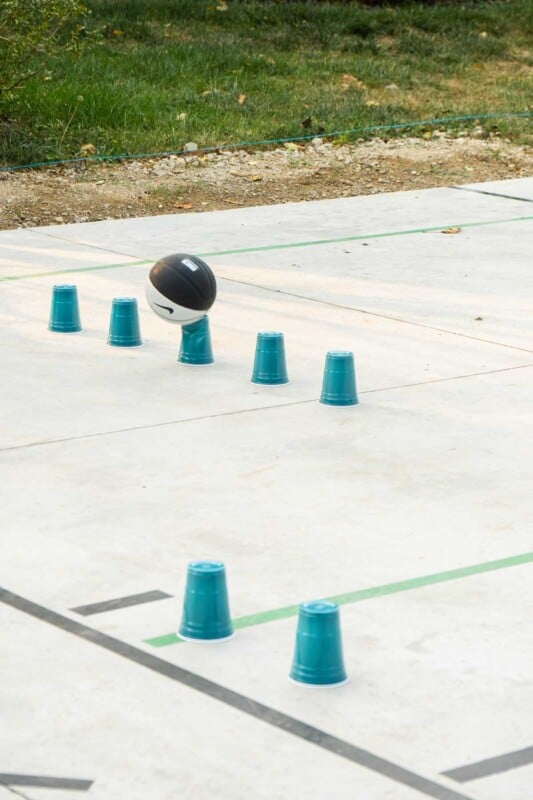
point(228, 178)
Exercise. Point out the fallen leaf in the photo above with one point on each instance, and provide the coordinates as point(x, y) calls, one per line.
point(452, 230)
point(183, 205)
point(372, 103)
point(351, 82)
point(182, 116)
point(118, 32)
point(255, 178)
point(306, 123)
point(427, 135)
point(222, 6)
point(88, 150)
point(242, 98)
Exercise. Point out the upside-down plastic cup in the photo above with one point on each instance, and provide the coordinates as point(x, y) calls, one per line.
point(196, 346)
point(270, 366)
point(124, 329)
point(338, 385)
point(65, 311)
point(206, 614)
point(318, 658)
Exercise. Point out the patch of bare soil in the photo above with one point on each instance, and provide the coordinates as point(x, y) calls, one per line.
point(231, 179)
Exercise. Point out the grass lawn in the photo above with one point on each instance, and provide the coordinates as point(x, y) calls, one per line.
point(155, 74)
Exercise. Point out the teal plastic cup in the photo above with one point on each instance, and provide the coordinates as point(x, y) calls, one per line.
point(206, 614)
point(65, 310)
point(124, 329)
point(196, 346)
point(269, 364)
point(338, 385)
point(318, 658)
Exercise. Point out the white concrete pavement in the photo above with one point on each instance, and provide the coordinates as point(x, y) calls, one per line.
point(117, 467)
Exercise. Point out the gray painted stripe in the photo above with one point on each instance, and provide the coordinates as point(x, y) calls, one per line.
point(493, 194)
point(491, 766)
point(120, 602)
point(7, 779)
point(247, 705)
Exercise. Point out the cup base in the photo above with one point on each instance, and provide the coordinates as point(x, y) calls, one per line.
point(319, 685)
point(192, 364)
point(270, 383)
point(205, 641)
point(339, 405)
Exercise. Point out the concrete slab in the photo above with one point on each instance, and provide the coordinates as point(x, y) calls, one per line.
point(68, 385)
point(425, 672)
point(271, 226)
point(517, 188)
point(27, 252)
point(413, 481)
point(475, 283)
point(79, 711)
point(120, 466)
point(515, 784)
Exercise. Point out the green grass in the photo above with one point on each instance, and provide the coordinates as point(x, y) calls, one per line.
point(147, 63)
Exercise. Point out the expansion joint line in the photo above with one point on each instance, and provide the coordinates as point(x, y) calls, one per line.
point(331, 304)
point(114, 431)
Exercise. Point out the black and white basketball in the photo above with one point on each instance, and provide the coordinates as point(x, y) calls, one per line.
point(181, 288)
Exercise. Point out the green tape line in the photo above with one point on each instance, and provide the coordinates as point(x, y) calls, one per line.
point(286, 246)
point(359, 237)
point(74, 269)
point(365, 594)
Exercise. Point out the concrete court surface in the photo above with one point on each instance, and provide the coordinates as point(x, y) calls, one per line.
point(412, 509)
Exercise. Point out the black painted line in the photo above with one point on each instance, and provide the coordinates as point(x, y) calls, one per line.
point(491, 766)
point(45, 782)
point(247, 705)
point(120, 602)
point(492, 194)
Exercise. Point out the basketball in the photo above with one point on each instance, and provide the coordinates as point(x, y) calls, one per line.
point(181, 288)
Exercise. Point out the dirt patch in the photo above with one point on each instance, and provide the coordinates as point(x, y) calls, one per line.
point(230, 179)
